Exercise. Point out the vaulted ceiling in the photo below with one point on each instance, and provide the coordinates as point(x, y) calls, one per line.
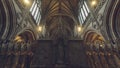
point(60, 17)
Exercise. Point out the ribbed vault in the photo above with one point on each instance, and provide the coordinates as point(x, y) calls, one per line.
point(58, 17)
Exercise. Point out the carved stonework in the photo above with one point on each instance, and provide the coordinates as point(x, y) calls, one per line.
point(19, 17)
point(100, 20)
point(100, 5)
point(94, 25)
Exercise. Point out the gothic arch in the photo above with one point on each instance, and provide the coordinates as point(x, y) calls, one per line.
point(7, 19)
point(92, 37)
point(27, 35)
point(113, 22)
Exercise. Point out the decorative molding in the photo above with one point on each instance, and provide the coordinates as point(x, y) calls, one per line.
point(100, 5)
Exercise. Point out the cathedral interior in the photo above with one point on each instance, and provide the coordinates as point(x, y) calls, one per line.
point(59, 33)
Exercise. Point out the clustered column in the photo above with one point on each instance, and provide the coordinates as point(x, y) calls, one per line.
point(15, 54)
point(103, 56)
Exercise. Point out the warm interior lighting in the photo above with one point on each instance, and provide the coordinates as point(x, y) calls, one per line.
point(39, 28)
point(101, 45)
point(26, 1)
point(18, 39)
point(93, 3)
point(79, 29)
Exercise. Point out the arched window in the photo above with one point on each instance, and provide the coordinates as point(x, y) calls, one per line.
point(83, 12)
point(35, 11)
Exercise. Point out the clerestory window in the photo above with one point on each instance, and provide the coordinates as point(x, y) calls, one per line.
point(83, 12)
point(35, 11)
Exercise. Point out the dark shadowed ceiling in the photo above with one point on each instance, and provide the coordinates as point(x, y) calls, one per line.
point(60, 17)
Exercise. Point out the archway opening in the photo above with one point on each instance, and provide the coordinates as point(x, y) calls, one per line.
point(26, 36)
point(93, 38)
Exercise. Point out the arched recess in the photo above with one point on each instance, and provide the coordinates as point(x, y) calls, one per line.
point(113, 21)
point(26, 36)
point(7, 19)
point(92, 37)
